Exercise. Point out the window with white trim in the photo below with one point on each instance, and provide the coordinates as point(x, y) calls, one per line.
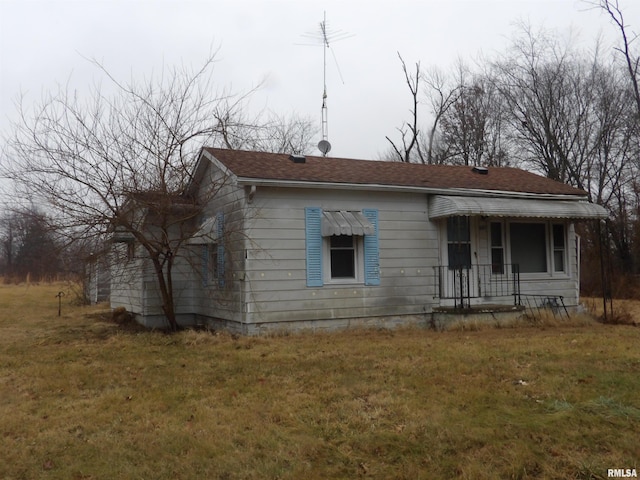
point(497, 248)
point(529, 246)
point(559, 249)
point(538, 247)
point(343, 260)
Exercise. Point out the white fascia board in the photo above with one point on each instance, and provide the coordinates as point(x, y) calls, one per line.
point(261, 182)
point(222, 167)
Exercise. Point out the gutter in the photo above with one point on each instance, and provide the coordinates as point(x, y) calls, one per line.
point(467, 192)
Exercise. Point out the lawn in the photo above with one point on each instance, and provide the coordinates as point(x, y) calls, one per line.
point(82, 398)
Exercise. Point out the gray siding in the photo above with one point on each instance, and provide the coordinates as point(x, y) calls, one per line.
point(212, 300)
point(127, 279)
point(275, 274)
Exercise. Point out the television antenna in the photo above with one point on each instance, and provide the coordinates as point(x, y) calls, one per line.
point(326, 36)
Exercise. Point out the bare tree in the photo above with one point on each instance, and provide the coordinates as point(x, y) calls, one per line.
point(471, 126)
point(543, 84)
point(632, 61)
point(624, 200)
point(572, 117)
point(441, 93)
point(275, 133)
point(409, 132)
point(264, 131)
point(120, 162)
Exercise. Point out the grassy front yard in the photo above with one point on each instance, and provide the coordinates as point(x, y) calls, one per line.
point(81, 398)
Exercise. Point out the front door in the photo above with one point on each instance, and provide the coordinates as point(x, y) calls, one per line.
point(458, 281)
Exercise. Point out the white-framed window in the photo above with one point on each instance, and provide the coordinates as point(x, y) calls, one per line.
point(537, 247)
point(559, 247)
point(343, 261)
point(496, 239)
point(529, 246)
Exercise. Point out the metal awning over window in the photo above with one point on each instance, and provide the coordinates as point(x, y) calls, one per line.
point(345, 223)
point(207, 233)
point(441, 206)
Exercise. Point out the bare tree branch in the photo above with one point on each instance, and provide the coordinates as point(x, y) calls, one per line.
point(413, 82)
point(121, 162)
point(612, 8)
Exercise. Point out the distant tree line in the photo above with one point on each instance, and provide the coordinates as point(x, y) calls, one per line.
point(30, 249)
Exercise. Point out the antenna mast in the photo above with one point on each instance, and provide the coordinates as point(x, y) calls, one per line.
point(325, 119)
point(326, 36)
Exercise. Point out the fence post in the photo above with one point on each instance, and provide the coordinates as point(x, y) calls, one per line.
point(60, 295)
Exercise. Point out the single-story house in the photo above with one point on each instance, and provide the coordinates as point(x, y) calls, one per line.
point(294, 242)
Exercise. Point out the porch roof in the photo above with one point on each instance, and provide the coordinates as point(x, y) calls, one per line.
point(441, 206)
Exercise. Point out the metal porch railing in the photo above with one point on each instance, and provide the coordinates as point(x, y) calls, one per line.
point(461, 284)
point(535, 304)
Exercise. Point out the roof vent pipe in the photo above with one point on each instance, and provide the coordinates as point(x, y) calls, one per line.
point(298, 158)
point(480, 170)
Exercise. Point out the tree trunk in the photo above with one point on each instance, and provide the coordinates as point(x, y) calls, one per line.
point(165, 285)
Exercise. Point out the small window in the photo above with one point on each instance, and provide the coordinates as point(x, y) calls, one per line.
point(558, 248)
point(497, 249)
point(342, 249)
point(459, 242)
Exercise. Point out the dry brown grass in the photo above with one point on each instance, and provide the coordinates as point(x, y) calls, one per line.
point(83, 398)
point(619, 311)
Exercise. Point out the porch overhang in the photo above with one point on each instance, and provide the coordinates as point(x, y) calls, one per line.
point(442, 206)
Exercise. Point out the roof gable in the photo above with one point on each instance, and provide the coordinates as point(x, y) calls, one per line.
point(279, 167)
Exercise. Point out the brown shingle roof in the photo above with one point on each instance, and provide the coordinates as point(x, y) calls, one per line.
point(272, 166)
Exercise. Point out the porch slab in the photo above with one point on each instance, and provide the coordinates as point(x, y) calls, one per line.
point(446, 317)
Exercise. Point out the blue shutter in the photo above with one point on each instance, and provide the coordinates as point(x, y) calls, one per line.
point(313, 224)
point(371, 250)
point(205, 265)
point(220, 247)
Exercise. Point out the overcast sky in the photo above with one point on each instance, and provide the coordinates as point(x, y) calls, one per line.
point(42, 44)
